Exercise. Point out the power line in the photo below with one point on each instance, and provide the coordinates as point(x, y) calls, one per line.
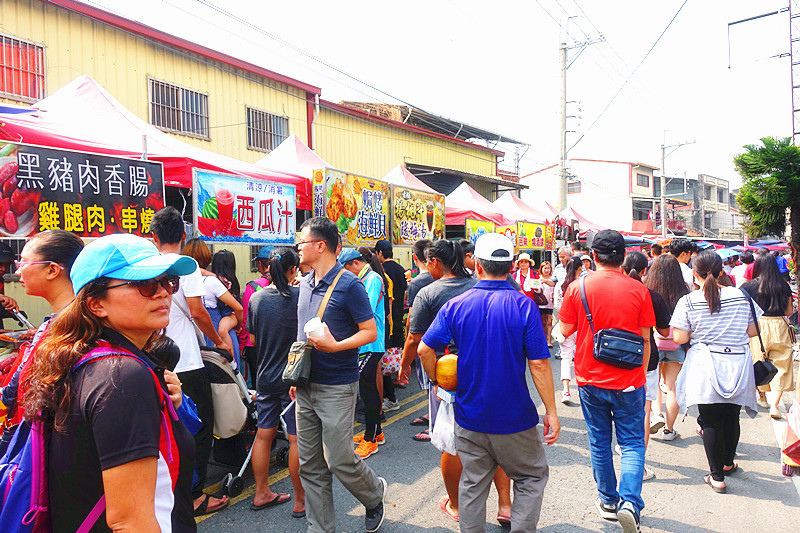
point(633, 72)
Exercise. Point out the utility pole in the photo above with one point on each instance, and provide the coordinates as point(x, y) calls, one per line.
point(664, 155)
point(562, 163)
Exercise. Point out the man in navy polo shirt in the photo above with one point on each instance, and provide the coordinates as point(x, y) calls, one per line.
point(497, 330)
point(326, 406)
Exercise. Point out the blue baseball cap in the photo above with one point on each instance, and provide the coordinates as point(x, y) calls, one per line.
point(348, 254)
point(127, 257)
point(264, 252)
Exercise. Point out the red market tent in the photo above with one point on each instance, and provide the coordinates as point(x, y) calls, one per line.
point(585, 225)
point(465, 202)
point(402, 177)
point(511, 206)
point(83, 116)
point(292, 156)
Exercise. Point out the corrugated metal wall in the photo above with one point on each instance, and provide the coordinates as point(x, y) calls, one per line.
point(369, 149)
point(121, 63)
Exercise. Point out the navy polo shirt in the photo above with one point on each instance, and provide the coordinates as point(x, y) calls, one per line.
point(497, 330)
point(348, 307)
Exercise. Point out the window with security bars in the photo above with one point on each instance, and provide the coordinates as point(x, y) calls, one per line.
point(265, 131)
point(642, 180)
point(178, 110)
point(21, 69)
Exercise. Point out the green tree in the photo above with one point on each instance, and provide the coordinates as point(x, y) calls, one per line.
point(771, 185)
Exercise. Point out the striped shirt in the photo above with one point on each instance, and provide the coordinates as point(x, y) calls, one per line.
point(726, 328)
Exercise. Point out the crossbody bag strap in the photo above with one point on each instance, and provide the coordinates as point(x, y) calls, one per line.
point(582, 287)
point(755, 321)
point(328, 294)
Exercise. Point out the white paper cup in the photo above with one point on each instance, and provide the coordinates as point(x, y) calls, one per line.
point(313, 328)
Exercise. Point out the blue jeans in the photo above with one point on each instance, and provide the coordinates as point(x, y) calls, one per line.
point(625, 410)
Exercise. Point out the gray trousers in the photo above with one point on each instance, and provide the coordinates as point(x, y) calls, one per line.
point(522, 457)
point(325, 445)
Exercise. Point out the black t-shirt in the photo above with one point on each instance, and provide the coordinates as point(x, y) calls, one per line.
point(115, 419)
point(751, 287)
point(417, 284)
point(663, 315)
point(272, 319)
point(399, 284)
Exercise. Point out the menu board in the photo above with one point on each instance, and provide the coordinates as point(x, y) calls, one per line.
point(511, 233)
point(233, 209)
point(358, 205)
point(87, 194)
point(531, 236)
point(416, 215)
point(476, 228)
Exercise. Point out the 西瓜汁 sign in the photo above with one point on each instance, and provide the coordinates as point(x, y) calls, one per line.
point(87, 194)
point(359, 206)
point(232, 209)
point(416, 215)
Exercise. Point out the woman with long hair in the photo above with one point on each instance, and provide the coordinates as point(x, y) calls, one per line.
point(665, 278)
point(223, 265)
point(774, 296)
point(44, 268)
point(567, 348)
point(223, 308)
point(272, 323)
point(548, 286)
point(635, 266)
point(104, 402)
point(719, 323)
point(446, 266)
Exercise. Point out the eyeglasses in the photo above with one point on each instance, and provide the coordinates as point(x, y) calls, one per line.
point(149, 287)
point(308, 242)
point(20, 264)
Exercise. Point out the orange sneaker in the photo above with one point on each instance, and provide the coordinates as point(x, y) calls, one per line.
point(379, 439)
point(366, 448)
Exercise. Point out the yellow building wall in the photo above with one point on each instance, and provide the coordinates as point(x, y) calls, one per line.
point(355, 145)
point(121, 63)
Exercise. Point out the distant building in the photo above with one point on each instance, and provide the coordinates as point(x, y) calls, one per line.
point(710, 210)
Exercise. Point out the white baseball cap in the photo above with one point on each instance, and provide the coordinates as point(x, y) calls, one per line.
point(494, 247)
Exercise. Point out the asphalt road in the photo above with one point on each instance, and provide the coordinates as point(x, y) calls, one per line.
point(759, 498)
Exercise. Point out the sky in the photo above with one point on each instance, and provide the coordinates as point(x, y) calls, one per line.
point(495, 65)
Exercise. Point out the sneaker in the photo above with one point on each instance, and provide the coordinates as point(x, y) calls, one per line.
point(366, 448)
point(774, 412)
point(648, 474)
point(389, 405)
point(657, 422)
point(379, 439)
point(628, 518)
point(667, 435)
point(566, 397)
point(761, 400)
point(373, 518)
point(607, 510)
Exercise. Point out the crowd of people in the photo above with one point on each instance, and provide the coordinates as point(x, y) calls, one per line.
point(115, 463)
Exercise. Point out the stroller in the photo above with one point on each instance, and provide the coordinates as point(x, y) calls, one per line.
point(234, 410)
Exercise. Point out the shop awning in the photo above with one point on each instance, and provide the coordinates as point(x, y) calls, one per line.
point(465, 202)
point(83, 116)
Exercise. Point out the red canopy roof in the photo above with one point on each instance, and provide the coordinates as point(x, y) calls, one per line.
point(401, 176)
point(512, 206)
point(465, 202)
point(83, 116)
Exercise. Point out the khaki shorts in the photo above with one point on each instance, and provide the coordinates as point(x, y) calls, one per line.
point(778, 344)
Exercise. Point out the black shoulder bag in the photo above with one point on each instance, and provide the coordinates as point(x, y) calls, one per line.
point(764, 370)
point(615, 347)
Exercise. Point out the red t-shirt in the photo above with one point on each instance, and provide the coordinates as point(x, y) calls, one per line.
point(748, 271)
point(616, 301)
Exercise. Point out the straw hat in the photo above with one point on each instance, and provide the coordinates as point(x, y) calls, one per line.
point(525, 257)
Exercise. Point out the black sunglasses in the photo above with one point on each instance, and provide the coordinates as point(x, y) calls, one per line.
point(149, 287)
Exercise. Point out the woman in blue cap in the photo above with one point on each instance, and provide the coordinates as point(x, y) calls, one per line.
point(118, 458)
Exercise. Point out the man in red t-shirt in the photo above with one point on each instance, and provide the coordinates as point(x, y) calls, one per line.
point(611, 396)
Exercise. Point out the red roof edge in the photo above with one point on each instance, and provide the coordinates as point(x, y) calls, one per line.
point(147, 32)
point(395, 124)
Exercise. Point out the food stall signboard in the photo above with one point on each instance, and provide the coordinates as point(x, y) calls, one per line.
point(550, 238)
point(476, 228)
point(358, 205)
point(511, 233)
point(530, 236)
point(416, 215)
point(233, 209)
point(87, 194)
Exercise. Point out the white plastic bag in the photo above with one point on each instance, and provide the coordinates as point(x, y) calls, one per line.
point(443, 435)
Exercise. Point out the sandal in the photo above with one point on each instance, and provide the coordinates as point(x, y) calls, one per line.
point(719, 489)
point(204, 508)
point(730, 470)
point(277, 500)
point(504, 520)
point(420, 421)
point(444, 505)
point(422, 436)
